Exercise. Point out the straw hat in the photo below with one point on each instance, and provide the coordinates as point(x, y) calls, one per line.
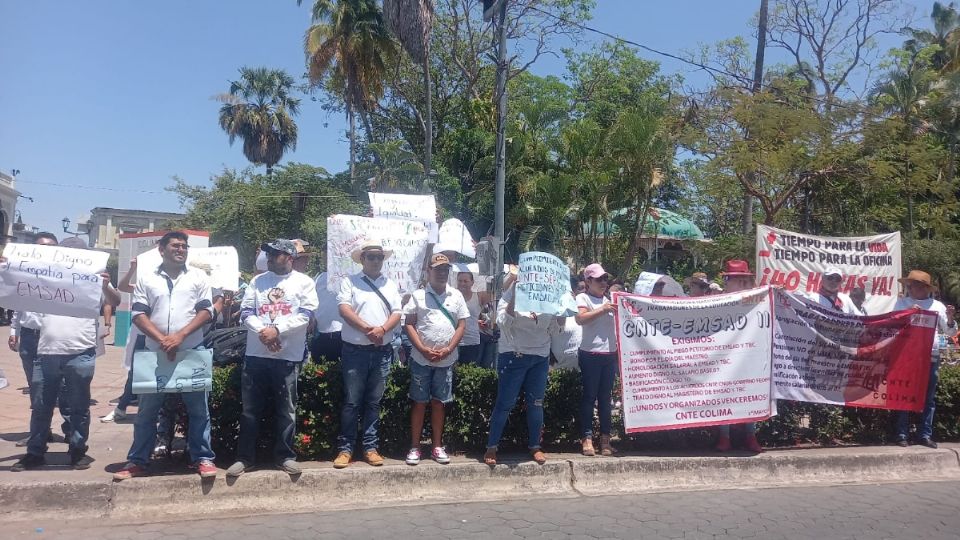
point(369, 245)
point(920, 277)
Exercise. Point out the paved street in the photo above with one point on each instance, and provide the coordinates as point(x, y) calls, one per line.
point(922, 510)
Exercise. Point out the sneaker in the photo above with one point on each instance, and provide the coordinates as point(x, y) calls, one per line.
point(23, 442)
point(413, 456)
point(81, 462)
point(373, 458)
point(343, 459)
point(160, 451)
point(291, 467)
point(114, 401)
point(538, 456)
point(902, 443)
point(115, 415)
point(130, 470)
point(237, 469)
point(440, 455)
point(28, 461)
point(928, 442)
point(207, 469)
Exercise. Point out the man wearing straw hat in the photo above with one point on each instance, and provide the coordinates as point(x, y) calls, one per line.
point(919, 295)
point(698, 284)
point(370, 306)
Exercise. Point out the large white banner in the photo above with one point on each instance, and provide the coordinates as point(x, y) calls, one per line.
point(796, 262)
point(688, 362)
point(52, 279)
point(407, 239)
point(421, 208)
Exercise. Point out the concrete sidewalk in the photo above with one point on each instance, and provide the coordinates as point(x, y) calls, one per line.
point(57, 491)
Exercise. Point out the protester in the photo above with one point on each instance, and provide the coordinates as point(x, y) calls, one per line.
point(171, 303)
point(919, 295)
point(326, 342)
point(829, 295)
point(738, 277)
point(858, 295)
point(302, 259)
point(135, 341)
point(66, 358)
point(276, 311)
point(24, 336)
point(597, 358)
point(523, 364)
point(469, 351)
point(698, 284)
point(370, 306)
point(436, 320)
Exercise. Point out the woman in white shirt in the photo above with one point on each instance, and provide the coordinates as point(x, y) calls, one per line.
point(469, 349)
point(597, 358)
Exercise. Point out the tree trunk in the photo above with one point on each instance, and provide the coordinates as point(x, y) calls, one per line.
point(428, 125)
point(353, 143)
point(746, 219)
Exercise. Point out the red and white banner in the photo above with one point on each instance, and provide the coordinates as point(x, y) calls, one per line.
point(690, 362)
point(796, 261)
point(824, 356)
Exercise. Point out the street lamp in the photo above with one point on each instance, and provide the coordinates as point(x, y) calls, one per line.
point(66, 227)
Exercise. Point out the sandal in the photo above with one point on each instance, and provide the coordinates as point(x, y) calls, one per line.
point(490, 457)
point(538, 456)
point(587, 447)
point(605, 448)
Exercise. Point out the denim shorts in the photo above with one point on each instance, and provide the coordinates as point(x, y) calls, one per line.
point(429, 382)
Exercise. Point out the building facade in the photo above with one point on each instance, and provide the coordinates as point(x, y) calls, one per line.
point(8, 204)
point(107, 224)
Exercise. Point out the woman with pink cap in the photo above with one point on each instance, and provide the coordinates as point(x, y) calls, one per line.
point(597, 357)
point(738, 277)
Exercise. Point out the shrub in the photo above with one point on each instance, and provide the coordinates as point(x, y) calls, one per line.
point(475, 389)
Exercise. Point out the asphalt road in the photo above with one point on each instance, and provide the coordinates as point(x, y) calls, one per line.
point(920, 510)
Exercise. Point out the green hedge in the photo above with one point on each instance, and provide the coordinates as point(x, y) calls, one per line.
point(475, 390)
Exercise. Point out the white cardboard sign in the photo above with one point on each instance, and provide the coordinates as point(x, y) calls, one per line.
point(52, 279)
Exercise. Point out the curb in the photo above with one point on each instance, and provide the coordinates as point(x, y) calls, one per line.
point(565, 475)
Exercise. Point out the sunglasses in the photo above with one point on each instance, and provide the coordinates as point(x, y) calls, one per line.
point(178, 247)
point(373, 257)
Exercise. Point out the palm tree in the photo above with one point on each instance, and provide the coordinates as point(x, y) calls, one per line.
point(259, 110)
point(944, 35)
point(349, 45)
point(411, 21)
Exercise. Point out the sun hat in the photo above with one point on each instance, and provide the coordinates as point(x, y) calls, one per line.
point(369, 245)
point(736, 267)
point(697, 277)
point(919, 276)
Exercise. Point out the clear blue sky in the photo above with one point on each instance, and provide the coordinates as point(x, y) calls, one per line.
point(101, 103)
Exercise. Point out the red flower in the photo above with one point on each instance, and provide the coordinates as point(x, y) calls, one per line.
point(306, 422)
point(306, 439)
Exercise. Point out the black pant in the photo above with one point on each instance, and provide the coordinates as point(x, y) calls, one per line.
point(326, 345)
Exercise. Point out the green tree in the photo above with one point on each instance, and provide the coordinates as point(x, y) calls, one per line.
point(259, 110)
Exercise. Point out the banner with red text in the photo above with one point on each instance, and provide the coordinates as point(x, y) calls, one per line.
point(796, 262)
point(824, 356)
point(688, 362)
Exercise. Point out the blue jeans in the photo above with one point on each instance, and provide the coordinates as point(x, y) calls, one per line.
point(469, 354)
point(52, 374)
point(488, 351)
point(261, 380)
point(597, 372)
point(29, 338)
point(925, 429)
point(365, 371)
point(529, 373)
point(128, 396)
point(145, 427)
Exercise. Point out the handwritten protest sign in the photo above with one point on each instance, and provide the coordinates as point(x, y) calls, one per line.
point(823, 356)
point(421, 208)
point(689, 362)
point(797, 261)
point(220, 263)
point(454, 236)
point(407, 239)
point(154, 373)
point(52, 279)
point(543, 285)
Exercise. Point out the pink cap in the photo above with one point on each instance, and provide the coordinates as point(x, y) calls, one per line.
point(594, 271)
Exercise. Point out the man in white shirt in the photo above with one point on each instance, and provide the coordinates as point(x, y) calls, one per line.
point(66, 357)
point(327, 342)
point(436, 319)
point(919, 295)
point(370, 307)
point(24, 336)
point(276, 309)
point(171, 303)
point(829, 295)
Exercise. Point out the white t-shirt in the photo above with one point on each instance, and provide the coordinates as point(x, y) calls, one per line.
point(284, 301)
point(600, 333)
point(328, 311)
point(945, 327)
point(434, 328)
point(472, 334)
point(564, 344)
point(524, 333)
point(66, 335)
point(846, 304)
point(171, 304)
point(357, 294)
